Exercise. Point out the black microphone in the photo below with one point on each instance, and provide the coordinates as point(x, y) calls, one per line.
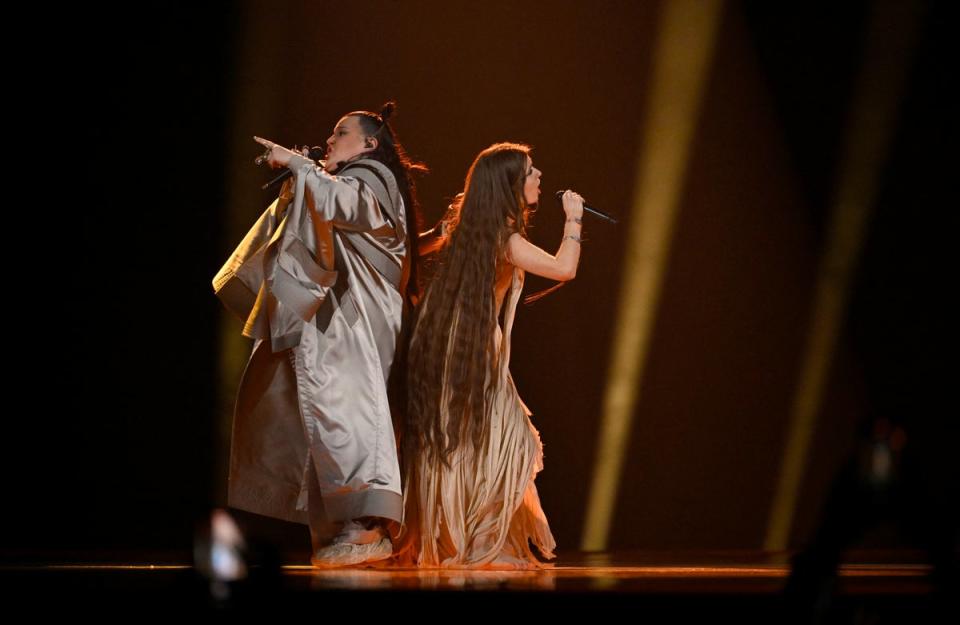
point(589, 209)
point(315, 154)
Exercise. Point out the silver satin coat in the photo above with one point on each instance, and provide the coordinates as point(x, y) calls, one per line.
point(318, 280)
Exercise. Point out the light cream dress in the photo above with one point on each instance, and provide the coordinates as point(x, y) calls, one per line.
point(484, 510)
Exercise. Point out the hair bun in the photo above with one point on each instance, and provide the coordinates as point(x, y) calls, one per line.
point(386, 111)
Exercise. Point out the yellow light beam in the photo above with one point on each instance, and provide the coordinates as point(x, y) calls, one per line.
point(684, 49)
point(256, 111)
point(877, 93)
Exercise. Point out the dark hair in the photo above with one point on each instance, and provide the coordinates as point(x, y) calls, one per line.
point(454, 333)
point(391, 153)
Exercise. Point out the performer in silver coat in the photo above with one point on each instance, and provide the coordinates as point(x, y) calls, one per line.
point(322, 281)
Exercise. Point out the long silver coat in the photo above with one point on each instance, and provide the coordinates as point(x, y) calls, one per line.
point(318, 281)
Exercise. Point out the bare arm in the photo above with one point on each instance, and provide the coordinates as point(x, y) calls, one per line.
point(561, 266)
point(431, 240)
point(435, 238)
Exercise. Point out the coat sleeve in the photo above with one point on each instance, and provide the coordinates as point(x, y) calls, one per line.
point(344, 200)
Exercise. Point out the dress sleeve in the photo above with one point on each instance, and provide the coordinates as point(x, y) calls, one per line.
point(344, 200)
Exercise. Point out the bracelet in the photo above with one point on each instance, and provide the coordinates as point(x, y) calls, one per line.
point(576, 219)
point(572, 236)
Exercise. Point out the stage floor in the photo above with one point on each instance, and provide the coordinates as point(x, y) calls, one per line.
point(892, 587)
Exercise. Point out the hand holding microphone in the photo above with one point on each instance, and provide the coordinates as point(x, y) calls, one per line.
point(562, 198)
point(572, 204)
point(278, 156)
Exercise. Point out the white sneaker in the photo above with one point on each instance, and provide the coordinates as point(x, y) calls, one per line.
point(348, 554)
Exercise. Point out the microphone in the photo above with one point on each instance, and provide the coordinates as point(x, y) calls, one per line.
point(589, 209)
point(315, 154)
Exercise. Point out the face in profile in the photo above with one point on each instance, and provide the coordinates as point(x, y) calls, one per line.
point(346, 142)
point(531, 184)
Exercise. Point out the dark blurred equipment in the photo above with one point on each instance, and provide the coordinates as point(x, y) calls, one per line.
point(234, 572)
point(882, 482)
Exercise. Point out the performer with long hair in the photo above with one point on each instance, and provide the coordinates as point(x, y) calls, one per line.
point(470, 451)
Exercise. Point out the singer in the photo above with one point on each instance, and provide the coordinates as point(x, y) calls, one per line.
point(470, 451)
point(323, 281)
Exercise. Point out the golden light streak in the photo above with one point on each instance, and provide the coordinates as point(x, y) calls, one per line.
point(682, 58)
point(873, 111)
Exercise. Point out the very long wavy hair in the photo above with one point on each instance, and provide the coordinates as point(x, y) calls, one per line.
point(491, 208)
